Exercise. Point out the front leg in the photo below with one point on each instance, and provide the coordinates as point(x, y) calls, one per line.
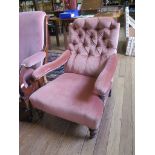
point(92, 133)
point(110, 93)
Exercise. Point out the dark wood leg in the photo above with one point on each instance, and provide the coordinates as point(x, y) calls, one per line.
point(110, 93)
point(30, 117)
point(57, 34)
point(40, 114)
point(29, 110)
point(25, 112)
point(92, 133)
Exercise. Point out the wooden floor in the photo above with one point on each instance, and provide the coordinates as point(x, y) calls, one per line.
point(55, 136)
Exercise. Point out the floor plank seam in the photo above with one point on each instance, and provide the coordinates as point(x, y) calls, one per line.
point(97, 135)
point(31, 128)
point(131, 102)
point(95, 144)
point(132, 107)
point(122, 109)
point(127, 74)
point(63, 135)
point(83, 143)
point(102, 124)
point(121, 121)
point(110, 127)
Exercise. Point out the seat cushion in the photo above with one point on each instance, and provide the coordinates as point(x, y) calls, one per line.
point(70, 96)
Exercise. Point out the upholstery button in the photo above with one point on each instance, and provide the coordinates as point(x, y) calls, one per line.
point(98, 44)
point(112, 27)
point(85, 28)
point(84, 44)
point(74, 43)
point(97, 29)
point(104, 38)
point(77, 52)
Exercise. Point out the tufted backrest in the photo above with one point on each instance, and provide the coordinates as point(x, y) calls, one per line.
point(91, 42)
point(31, 33)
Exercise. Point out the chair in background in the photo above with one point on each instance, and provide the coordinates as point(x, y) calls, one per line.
point(130, 33)
point(70, 4)
point(80, 94)
point(33, 48)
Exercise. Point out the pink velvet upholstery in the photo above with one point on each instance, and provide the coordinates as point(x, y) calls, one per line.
point(31, 33)
point(90, 63)
point(103, 82)
point(31, 42)
point(26, 76)
point(71, 97)
point(34, 59)
point(43, 70)
point(91, 42)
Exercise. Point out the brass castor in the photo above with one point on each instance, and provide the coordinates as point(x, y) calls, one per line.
point(92, 133)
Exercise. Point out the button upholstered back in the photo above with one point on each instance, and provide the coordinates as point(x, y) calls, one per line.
point(91, 42)
point(31, 33)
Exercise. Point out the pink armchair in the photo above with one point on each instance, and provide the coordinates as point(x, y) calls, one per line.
point(32, 49)
point(90, 63)
point(32, 37)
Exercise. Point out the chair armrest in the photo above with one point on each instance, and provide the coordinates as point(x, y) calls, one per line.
point(24, 76)
point(48, 67)
point(104, 79)
point(34, 59)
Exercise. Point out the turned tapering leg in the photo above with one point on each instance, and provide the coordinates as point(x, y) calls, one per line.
point(110, 93)
point(92, 133)
point(40, 114)
point(29, 115)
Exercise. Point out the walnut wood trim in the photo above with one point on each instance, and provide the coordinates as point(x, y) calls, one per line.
point(45, 48)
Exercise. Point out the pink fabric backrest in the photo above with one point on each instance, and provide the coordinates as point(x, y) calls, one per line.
point(31, 33)
point(91, 42)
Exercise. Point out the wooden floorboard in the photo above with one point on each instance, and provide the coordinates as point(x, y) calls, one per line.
point(45, 137)
point(114, 136)
point(73, 140)
point(125, 147)
point(55, 136)
point(133, 102)
point(103, 135)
